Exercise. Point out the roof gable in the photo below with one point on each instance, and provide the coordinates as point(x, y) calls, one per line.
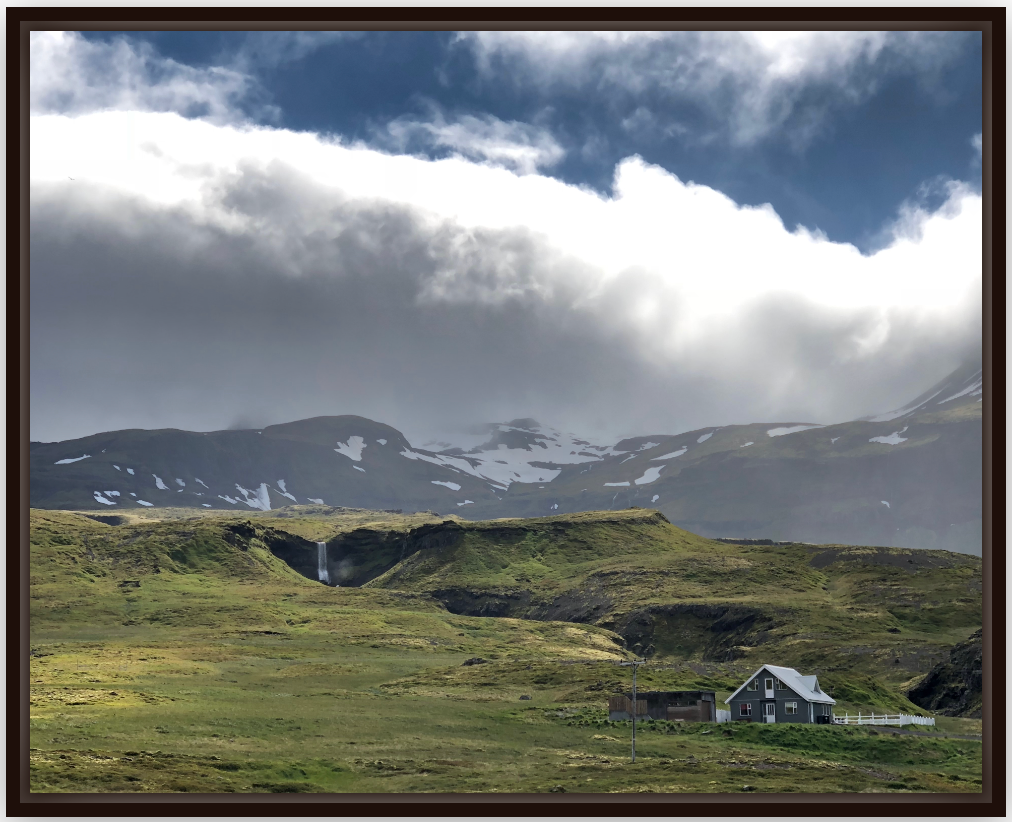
point(807, 687)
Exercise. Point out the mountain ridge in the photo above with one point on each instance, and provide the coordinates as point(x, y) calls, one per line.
point(909, 478)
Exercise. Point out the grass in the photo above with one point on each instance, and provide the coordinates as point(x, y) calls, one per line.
point(884, 612)
point(167, 658)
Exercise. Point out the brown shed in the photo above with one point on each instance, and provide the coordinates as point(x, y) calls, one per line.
point(685, 706)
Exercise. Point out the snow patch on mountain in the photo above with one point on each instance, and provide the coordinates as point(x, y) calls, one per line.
point(358, 469)
point(886, 504)
point(256, 499)
point(973, 389)
point(893, 439)
point(352, 449)
point(650, 475)
point(451, 485)
point(180, 483)
point(145, 503)
point(791, 429)
point(130, 471)
point(672, 455)
point(117, 467)
point(703, 438)
point(382, 442)
point(616, 484)
point(103, 500)
point(197, 479)
point(159, 484)
point(655, 497)
point(317, 501)
point(466, 502)
point(68, 461)
point(284, 491)
point(746, 445)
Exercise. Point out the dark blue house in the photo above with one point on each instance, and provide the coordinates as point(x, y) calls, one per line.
point(778, 694)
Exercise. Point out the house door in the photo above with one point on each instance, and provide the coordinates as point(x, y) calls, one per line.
point(769, 688)
point(770, 711)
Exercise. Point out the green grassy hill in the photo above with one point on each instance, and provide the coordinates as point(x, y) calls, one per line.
point(672, 594)
point(177, 652)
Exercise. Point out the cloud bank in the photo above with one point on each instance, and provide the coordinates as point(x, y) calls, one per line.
point(194, 271)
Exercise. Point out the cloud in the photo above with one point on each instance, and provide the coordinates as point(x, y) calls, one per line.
point(71, 75)
point(520, 146)
point(193, 273)
point(745, 87)
point(270, 49)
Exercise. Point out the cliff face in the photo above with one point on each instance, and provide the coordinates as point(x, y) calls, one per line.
point(953, 687)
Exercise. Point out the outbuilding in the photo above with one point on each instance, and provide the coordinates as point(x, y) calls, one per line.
point(685, 706)
point(778, 694)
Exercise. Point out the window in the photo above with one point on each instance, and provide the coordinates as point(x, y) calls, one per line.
point(791, 708)
point(753, 685)
point(780, 685)
point(746, 709)
point(769, 684)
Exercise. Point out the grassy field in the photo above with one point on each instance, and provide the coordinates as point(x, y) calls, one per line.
point(168, 657)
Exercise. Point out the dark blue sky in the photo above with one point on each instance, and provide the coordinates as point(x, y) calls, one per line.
point(911, 124)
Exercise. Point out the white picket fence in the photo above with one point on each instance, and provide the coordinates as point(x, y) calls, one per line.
point(883, 719)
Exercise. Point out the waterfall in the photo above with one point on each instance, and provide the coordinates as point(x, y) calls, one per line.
point(321, 562)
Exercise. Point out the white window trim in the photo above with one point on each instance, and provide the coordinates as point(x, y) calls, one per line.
point(791, 708)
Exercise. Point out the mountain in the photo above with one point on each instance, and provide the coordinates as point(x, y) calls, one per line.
point(907, 478)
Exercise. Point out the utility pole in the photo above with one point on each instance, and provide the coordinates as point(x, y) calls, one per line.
point(635, 664)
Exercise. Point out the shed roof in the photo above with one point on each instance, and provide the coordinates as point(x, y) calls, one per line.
point(807, 687)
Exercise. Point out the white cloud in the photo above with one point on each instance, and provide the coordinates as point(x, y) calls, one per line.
point(751, 84)
point(661, 258)
point(689, 291)
point(70, 74)
point(520, 146)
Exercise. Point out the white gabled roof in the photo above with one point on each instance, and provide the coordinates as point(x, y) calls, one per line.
point(807, 687)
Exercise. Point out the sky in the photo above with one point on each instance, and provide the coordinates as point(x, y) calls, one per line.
point(615, 233)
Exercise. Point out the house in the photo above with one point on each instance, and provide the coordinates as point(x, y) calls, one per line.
point(777, 694)
point(687, 706)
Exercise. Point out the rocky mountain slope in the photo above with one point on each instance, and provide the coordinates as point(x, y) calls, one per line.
point(954, 685)
point(907, 478)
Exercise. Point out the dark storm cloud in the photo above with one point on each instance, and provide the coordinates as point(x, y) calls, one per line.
point(146, 317)
point(152, 320)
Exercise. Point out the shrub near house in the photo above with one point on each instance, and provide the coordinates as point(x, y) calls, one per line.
point(778, 694)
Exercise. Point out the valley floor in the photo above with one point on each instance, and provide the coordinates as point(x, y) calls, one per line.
point(259, 712)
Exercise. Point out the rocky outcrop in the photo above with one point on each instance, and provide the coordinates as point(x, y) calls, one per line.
point(953, 687)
